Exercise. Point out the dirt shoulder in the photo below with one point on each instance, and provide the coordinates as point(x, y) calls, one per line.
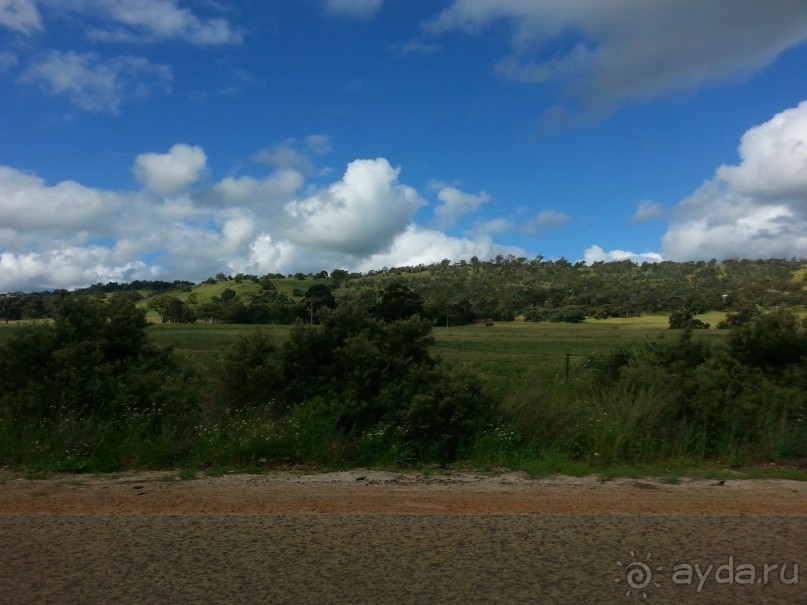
point(370, 491)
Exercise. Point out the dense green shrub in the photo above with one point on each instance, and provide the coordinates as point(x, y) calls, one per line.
point(89, 385)
point(681, 397)
point(357, 373)
point(94, 359)
point(773, 341)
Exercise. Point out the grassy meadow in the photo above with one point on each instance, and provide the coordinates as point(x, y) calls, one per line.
point(505, 351)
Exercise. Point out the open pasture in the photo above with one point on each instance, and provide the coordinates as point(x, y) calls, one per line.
point(508, 351)
point(515, 350)
point(205, 340)
point(501, 348)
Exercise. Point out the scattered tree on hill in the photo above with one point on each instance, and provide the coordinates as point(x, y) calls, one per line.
point(744, 315)
point(171, 310)
point(684, 319)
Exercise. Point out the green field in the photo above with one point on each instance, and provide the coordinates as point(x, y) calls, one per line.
point(507, 353)
point(513, 350)
point(204, 341)
point(506, 350)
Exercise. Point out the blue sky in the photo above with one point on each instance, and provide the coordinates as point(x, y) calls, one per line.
point(173, 139)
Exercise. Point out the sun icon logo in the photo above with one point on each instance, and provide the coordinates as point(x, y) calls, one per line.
point(638, 575)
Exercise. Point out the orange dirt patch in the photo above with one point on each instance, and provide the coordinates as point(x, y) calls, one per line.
point(365, 491)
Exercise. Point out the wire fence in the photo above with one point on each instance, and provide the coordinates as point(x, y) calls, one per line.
point(564, 360)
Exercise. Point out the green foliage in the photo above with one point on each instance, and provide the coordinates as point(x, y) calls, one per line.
point(317, 299)
point(171, 309)
point(684, 319)
point(398, 302)
point(680, 397)
point(744, 315)
point(356, 373)
point(773, 341)
point(567, 314)
point(71, 387)
point(446, 410)
point(91, 391)
point(247, 376)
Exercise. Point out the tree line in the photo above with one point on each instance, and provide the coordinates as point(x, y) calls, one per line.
point(500, 289)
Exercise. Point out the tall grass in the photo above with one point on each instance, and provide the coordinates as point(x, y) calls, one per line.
point(585, 422)
point(603, 425)
point(93, 444)
point(549, 427)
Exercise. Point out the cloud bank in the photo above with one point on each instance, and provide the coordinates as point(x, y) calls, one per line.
point(176, 226)
point(754, 209)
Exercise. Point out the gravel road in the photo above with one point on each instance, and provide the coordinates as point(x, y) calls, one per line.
point(368, 537)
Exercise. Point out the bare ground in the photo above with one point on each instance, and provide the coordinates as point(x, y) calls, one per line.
point(379, 537)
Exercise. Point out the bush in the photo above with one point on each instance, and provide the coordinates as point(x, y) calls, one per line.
point(90, 385)
point(773, 341)
point(355, 373)
point(449, 408)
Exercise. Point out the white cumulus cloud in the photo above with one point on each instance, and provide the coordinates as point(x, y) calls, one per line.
point(68, 235)
point(173, 172)
point(595, 254)
point(66, 267)
point(27, 203)
point(456, 204)
point(280, 186)
point(774, 158)
point(417, 245)
point(757, 209)
point(359, 214)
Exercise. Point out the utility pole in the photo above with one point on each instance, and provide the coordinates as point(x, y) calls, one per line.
point(568, 355)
